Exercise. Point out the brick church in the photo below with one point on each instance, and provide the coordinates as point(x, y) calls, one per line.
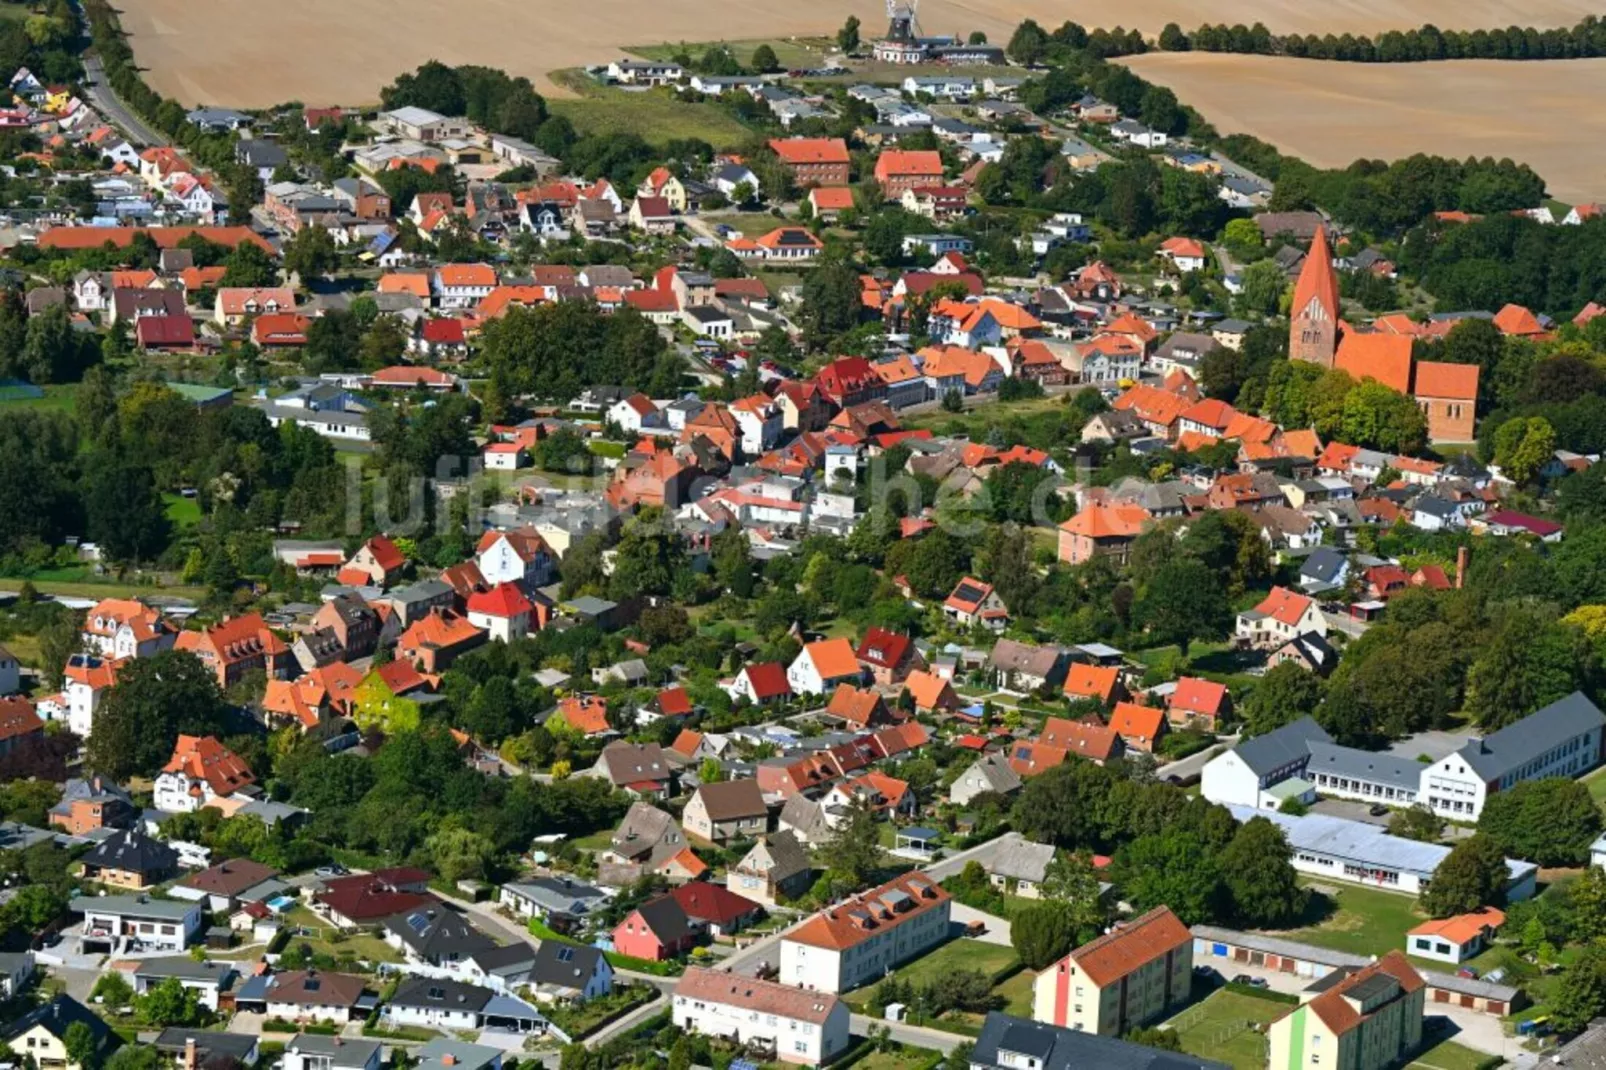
point(1446, 393)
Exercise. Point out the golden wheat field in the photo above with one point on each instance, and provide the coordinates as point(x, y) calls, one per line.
point(1545, 114)
point(236, 53)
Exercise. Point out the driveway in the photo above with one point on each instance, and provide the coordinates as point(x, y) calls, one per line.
point(1350, 810)
point(998, 929)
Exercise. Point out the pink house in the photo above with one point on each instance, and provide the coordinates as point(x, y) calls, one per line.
point(656, 930)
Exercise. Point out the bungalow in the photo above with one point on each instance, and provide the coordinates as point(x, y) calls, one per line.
point(1455, 939)
point(125, 923)
point(1197, 702)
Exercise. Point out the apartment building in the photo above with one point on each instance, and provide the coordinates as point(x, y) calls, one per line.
point(790, 1024)
point(1365, 1019)
point(859, 939)
point(1124, 979)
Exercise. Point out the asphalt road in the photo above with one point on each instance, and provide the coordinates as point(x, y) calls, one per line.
point(103, 100)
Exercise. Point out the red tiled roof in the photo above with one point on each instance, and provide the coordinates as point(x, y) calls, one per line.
point(204, 758)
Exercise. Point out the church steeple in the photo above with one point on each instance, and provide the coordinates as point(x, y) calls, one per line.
point(1313, 319)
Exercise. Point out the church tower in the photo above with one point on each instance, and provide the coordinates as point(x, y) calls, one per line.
point(1313, 319)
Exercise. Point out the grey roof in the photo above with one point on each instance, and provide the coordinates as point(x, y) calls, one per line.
point(787, 855)
point(135, 906)
point(995, 768)
point(1185, 345)
point(664, 918)
point(422, 591)
point(56, 1017)
point(440, 993)
point(1322, 566)
point(644, 828)
point(1518, 744)
point(1361, 843)
point(805, 818)
point(1281, 746)
point(345, 1051)
point(1055, 1048)
point(443, 1052)
point(1340, 960)
point(1012, 656)
point(1022, 860)
point(560, 893)
point(1371, 766)
point(186, 969)
point(564, 965)
point(1435, 506)
point(238, 1046)
point(433, 932)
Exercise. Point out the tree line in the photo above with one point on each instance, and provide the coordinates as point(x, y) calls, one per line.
point(1426, 43)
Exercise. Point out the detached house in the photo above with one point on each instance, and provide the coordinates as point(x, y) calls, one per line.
point(761, 684)
point(377, 563)
point(822, 665)
point(200, 772)
point(976, 603)
point(727, 810)
point(121, 628)
point(776, 869)
point(521, 557)
point(239, 646)
point(1281, 616)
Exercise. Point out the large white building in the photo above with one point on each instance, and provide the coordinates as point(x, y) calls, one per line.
point(1255, 772)
point(1563, 739)
point(136, 922)
point(797, 1026)
point(859, 939)
point(1362, 853)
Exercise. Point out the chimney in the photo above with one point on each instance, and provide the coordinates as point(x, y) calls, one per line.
point(189, 1053)
point(1460, 567)
point(448, 1060)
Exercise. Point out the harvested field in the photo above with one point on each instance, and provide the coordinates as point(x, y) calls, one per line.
point(1544, 114)
point(343, 51)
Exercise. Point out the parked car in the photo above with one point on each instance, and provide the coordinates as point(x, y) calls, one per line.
point(1377, 809)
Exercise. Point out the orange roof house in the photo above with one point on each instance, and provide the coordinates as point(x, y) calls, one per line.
point(856, 707)
point(1198, 700)
point(1102, 530)
point(1385, 358)
point(1138, 726)
point(586, 714)
point(236, 646)
point(1097, 682)
point(204, 770)
point(930, 692)
point(435, 640)
point(1517, 322)
point(901, 169)
point(405, 282)
point(1096, 742)
point(1455, 939)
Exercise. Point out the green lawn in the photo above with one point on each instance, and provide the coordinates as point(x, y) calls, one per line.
point(903, 1059)
point(1361, 921)
point(74, 583)
point(181, 511)
point(330, 941)
point(958, 954)
point(748, 224)
point(1448, 1056)
point(791, 53)
point(654, 115)
point(1222, 1027)
point(1596, 783)
point(62, 398)
point(1017, 994)
point(596, 841)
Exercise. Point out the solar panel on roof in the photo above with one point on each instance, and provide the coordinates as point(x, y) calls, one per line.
point(565, 954)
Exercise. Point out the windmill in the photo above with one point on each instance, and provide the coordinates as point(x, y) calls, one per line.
point(901, 24)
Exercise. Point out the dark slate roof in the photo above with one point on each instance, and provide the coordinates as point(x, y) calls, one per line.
point(434, 932)
point(133, 851)
point(441, 994)
point(1279, 747)
point(1322, 566)
point(567, 965)
point(1067, 1049)
point(57, 1016)
point(1518, 744)
point(665, 918)
point(1371, 766)
point(172, 1041)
